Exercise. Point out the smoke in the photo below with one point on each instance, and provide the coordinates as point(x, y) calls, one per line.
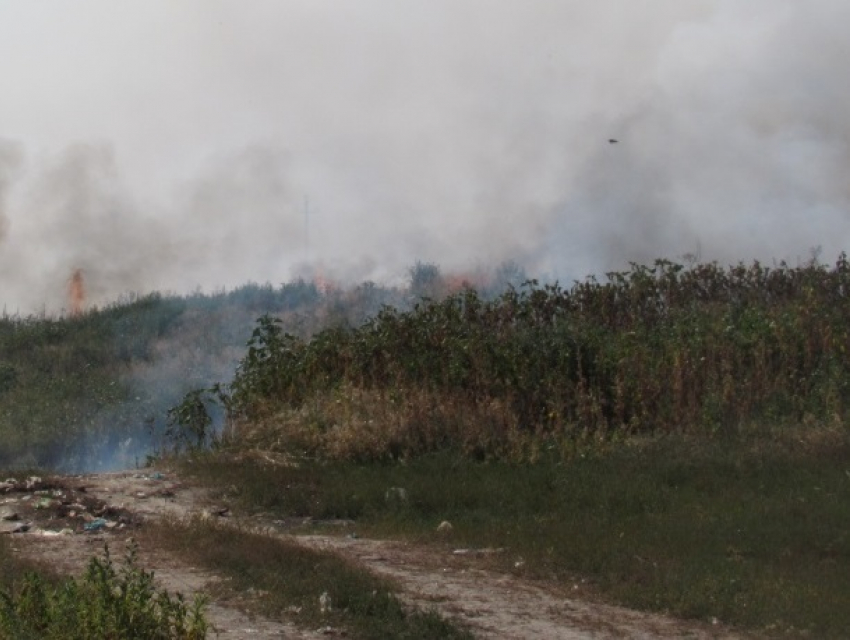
point(207, 144)
point(10, 160)
point(75, 216)
point(736, 151)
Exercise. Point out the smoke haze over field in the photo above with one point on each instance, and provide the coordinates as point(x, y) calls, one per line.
point(161, 145)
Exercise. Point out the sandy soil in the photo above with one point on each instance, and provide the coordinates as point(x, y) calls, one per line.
point(67, 520)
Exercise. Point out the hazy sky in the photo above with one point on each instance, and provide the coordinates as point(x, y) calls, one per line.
point(169, 144)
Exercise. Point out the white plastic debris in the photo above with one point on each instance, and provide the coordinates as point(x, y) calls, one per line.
point(53, 534)
point(325, 602)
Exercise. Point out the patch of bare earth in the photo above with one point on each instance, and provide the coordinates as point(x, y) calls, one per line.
point(71, 518)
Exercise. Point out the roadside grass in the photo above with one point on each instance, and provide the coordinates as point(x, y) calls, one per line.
point(285, 579)
point(752, 529)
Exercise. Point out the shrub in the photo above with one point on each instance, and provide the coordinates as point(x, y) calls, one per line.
point(104, 603)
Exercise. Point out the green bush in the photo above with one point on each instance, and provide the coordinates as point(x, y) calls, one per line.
point(104, 603)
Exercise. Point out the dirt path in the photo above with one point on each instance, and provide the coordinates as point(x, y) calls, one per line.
point(493, 605)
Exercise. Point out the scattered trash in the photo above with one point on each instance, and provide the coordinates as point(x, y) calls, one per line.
point(353, 535)
point(157, 476)
point(445, 527)
point(95, 525)
point(44, 503)
point(325, 605)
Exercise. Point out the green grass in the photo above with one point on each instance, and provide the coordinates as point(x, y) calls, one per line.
point(754, 531)
point(287, 580)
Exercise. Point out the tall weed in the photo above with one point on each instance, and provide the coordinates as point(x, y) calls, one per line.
point(660, 348)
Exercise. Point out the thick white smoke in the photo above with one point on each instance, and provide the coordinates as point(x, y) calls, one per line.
point(173, 145)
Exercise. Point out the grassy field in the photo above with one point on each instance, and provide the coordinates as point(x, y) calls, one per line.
point(671, 437)
point(751, 531)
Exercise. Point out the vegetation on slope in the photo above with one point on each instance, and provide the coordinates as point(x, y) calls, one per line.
point(92, 391)
point(662, 349)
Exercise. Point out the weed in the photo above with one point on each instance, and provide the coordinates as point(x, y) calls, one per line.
point(106, 602)
point(660, 349)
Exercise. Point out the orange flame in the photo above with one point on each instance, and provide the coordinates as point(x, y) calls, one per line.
point(76, 292)
point(323, 284)
point(456, 282)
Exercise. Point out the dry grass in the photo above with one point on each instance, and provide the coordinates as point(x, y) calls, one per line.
point(363, 424)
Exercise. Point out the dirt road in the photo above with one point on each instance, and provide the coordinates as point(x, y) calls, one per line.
point(67, 520)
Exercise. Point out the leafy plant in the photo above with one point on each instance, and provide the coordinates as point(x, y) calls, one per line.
point(106, 602)
point(189, 422)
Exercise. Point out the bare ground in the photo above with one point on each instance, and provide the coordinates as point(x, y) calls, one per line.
point(56, 513)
